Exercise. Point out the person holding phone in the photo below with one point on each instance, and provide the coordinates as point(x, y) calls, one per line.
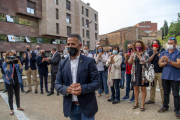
point(13, 81)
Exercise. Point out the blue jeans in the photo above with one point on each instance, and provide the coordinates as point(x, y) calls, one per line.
point(76, 113)
point(116, 84)
point(128, 81)
point(21, 85)
point(122, 78)
point(104, 81)
point(4, 76)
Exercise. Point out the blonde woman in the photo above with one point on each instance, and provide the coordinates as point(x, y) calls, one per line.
point(114, 64)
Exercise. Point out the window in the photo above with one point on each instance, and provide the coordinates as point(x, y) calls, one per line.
point(30, 7)
point(87, 33)
point(95, 17)
point(68, 5)
point(83, 32)
point(83, 42)
point(57, 13)
point(68, 31)
point(57, 28)
point(68, 18)
point(56, 2)
point(87, 12)
point(82, 10)
point(95, 26)
point(88, 44)
point(2, 17)
point(82, 21)
point(87, 23)
point(9, 18)
point(96, 36)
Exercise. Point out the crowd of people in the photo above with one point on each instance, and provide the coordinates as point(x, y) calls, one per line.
point(78, 74)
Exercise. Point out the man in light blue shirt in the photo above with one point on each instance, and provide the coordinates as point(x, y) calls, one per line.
point(170, 61)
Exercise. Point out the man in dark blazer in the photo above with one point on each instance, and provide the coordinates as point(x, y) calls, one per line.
point(54, 61)
point(77, 80)
point(29, 58)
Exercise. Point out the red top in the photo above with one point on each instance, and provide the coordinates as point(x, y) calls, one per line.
point(128, 67)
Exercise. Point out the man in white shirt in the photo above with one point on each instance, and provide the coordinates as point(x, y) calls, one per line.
point(86, 51)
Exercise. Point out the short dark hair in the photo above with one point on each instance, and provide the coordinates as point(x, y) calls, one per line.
point(159, 43)
point(86, 46)
point(116, 47)
point(172, 38)
point(76, 36)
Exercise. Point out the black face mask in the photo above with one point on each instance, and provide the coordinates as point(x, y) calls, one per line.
point(27, 49)
point(130, 49)
point(72, 51)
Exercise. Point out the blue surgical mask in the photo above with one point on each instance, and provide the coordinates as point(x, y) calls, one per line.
point(115, 52)
point(97, 46)
point(110, 50)
point(61, 55)
point(100, 50)
point(85, 51)
point(120, 53)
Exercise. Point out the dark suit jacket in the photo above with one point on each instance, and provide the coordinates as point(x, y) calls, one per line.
point(32, 61)
point(1, 65)
point(43, 66)
point(87, 76)
point(54, 61)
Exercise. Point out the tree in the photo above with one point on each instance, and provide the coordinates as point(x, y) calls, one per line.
point(166, 29)
point(178, 40)
point(174, 29)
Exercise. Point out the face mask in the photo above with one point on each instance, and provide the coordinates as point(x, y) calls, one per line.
point(100, 50)
point(85, 51)
point(114, 52)
point(170, 47)
point(27, 49)
point(4, 57)
point(38, 48)
point(130, 49)
point(97, 46)
point(43, 54)
point(61, 55)
point(72, 51)
point(120, 53)
point(66, 48)
point(138, 48)
point(156, 45)
point(110, 50)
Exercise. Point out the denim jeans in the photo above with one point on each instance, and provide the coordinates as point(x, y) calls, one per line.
point(128, 81)
point(104, 81)
point(21, 85)
point(116, 84)
point(122, 78)
point(175, 89)
point(76, 113)
point(3, 76)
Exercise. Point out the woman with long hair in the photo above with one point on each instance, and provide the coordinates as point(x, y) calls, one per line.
point(13, 80)
point(101, 58)
point(139, 60)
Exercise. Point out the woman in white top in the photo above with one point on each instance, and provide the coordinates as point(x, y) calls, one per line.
point(114, 76)
point(101, 58)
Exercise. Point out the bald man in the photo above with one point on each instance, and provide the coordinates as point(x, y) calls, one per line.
point(43, 70)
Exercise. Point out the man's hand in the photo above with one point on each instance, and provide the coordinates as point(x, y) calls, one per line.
point(24, 56)
point(155, 50)
point(166, 59)
point(30, 56)
point(71, 87)
point(126, 56)
point(77, 90)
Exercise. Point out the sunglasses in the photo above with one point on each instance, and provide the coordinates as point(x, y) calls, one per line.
point(171, 38)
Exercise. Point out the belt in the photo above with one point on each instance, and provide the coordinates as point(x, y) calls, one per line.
point(76, 102)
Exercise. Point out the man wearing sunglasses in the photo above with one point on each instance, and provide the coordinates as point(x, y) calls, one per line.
point(154, 59)
point(170, 61)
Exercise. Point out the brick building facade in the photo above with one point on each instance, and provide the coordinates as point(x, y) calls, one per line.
point(147, 26)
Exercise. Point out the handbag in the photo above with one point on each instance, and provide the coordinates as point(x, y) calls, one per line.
point(150, 73)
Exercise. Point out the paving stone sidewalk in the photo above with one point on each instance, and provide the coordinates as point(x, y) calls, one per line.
point(43, 107)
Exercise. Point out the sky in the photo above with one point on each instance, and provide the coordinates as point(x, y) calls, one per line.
point(117, 14)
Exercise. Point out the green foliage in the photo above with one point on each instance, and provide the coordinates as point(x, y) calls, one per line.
point(165, 28)
point(178, 40)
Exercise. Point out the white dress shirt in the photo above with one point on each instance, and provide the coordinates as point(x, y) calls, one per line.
point(88, 55)
point(74, 66)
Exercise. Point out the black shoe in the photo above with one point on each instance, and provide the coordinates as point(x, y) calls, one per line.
point(22, 90)
point(36, 92)
point(122, 87)
point(51, 93)
point(58, 93)
point(5, 91)
point(162, 110)
point(47, 91)
point(41, 92)
point(115, 102)
point(110, 100)
point(28, 91)
point(131, 88)
point(177, 115)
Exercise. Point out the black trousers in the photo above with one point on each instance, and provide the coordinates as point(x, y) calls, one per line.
point(175, 89)
point(53, 78)
point(16, 89)
point(45, 75)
